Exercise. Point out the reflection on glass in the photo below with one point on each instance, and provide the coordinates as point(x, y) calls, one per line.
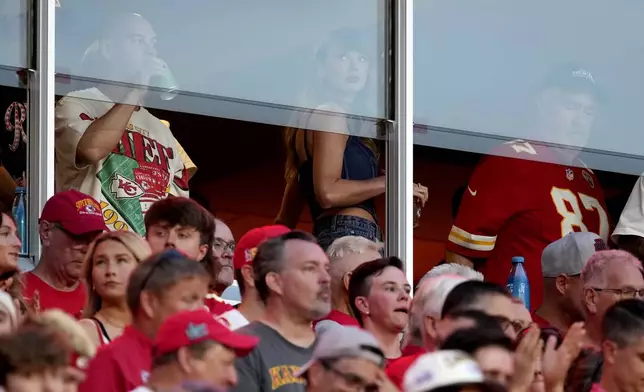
point(13, 30)
point(255, 74)
point(107, 144)
point(479, 66)
point(335, 172)
point(529, 194)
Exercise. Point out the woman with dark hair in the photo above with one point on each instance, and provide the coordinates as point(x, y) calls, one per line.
point(329, 165)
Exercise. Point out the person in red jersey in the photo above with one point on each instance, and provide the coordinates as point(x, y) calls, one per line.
point(193, 346)
point(69, 222)
point(379, 297)
point(527, 195)
point(252, 307)
point(159, 287)
point(561, 264)
point(346, 254)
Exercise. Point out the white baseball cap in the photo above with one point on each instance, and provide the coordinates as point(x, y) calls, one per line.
point(444, 369)
point(339, 341)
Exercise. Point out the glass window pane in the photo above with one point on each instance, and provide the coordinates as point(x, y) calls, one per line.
point(565, 73)
point(13, 33)
point(251, 60)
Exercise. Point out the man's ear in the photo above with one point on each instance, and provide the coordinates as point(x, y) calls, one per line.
point(346, 278)
point(248, 275)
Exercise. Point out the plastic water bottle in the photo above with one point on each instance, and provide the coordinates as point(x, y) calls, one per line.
point(19, 212)
point(518, 284)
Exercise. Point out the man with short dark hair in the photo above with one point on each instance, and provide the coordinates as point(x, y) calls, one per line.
point(193, 346)
point(491, 349)
point(159, 287)
point(379, 298)
point(622, 347)
point(181, 223)
point(291, 277)
point(251, 307)
point(487, 297)
point(69, 222)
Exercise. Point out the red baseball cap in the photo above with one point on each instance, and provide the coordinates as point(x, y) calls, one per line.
point(75, 211)
point(247, 245)
point(196, 326)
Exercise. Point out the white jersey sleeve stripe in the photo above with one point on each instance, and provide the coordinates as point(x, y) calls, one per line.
point(471, 241)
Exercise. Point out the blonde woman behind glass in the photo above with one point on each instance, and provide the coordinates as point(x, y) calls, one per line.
point(110, 260)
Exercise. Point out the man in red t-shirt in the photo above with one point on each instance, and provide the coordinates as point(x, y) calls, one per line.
point(527, 195)
point(161, 286)
point(69, 222)
point(346, 254)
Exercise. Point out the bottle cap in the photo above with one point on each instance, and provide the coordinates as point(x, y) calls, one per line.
point(20, 189)
point(517, 259)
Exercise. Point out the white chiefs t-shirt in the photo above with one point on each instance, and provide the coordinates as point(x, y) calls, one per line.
point(144, 167)
point(631, 222)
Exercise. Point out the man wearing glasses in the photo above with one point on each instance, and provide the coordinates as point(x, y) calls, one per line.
point(608, 277)
point(69, 222)
point(345, 359)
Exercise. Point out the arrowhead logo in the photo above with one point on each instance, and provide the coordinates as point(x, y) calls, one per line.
point(124, 188)
point(473, 193)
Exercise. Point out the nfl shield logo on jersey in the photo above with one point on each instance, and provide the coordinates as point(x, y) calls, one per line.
point(588, 178)
point(570, 175)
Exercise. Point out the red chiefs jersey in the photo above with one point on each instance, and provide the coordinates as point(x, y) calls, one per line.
point(517, 203)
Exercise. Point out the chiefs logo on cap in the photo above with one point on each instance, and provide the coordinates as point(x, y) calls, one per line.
point(88, 207)
point(250, 254)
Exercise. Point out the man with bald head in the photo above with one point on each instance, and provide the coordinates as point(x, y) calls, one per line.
point(107, 144)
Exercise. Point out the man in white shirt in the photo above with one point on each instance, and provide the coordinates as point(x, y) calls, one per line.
point(107, 144)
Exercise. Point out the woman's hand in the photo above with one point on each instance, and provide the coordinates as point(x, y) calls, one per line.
point(421, 193)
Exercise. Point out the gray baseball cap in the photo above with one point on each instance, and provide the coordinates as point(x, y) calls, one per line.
point(569, 254)
point(339, 341)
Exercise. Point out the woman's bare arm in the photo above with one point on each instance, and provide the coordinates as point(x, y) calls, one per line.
point(330, 190)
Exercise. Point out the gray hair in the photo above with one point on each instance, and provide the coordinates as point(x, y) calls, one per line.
point(599, 264)
point(270, 258)
point(453, 269)
point(350, 244)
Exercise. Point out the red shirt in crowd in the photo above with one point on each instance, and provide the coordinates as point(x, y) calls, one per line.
point(517, 203)
point(340, 318)
point(72, 302)
point(216, 307)
point(396, 368)
point(597, 388)
point(411, 349)
point(121, 365)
